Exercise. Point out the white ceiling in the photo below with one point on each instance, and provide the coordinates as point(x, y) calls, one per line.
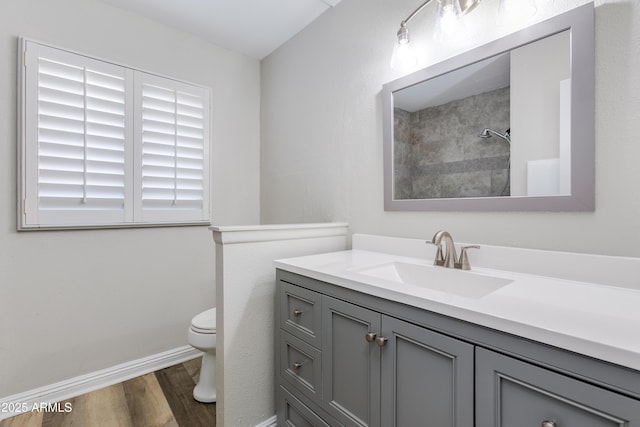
point(252, 27)
point(484, 76)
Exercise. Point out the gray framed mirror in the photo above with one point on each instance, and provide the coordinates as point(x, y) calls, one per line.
point(507, 126)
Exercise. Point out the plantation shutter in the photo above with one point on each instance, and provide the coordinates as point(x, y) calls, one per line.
point(174, 152)
point(78, 122)
point(104, 145)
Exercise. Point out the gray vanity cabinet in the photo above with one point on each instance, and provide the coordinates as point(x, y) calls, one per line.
point(370, 369)
point(512, 393)
point(350, 359)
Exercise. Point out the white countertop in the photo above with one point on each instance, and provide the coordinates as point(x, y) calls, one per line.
point(601, 321)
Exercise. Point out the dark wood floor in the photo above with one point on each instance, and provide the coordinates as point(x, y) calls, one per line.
point(160, 399)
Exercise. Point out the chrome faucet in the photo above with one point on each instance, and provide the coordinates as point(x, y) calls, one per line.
point(449, 259)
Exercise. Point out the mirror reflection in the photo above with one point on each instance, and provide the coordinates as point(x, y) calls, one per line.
point(496, 128)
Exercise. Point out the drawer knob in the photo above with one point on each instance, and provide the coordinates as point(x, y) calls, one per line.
point(382, 341)
point(297, 313)
point(297, 365)
point(371, 336)
point(547, 423)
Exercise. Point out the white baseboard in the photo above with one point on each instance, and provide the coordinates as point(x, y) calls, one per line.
point(271, 422)
point(95, 380)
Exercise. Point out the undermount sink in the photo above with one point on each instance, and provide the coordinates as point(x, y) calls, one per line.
point(464, 283)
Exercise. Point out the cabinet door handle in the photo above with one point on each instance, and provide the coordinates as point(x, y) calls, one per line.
point(370, 337)
point(296, 313)
point(382, 341)
point(297, 365)
point(547, 423)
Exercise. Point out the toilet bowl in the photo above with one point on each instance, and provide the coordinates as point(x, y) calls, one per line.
point(202, 335)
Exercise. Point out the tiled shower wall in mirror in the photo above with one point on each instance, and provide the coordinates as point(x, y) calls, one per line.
point(438, 153)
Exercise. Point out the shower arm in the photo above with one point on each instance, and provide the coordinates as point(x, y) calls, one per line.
point(487, 132)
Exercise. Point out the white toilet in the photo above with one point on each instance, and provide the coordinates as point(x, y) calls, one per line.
point(202, 335)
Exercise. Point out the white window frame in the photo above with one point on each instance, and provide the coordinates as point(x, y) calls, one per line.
point(189, 201)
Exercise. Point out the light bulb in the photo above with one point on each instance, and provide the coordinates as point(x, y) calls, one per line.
point(448, 25)
point(449, 19)
point(403, 58)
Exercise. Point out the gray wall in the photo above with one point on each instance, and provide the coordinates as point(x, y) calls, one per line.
point(322, 128)
point(74, 302)
point(437, 151)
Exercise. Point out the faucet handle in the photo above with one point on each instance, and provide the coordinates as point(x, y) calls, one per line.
point(439, 259)
point(463, 263)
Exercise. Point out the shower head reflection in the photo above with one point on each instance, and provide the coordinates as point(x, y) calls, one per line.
point(488, 133)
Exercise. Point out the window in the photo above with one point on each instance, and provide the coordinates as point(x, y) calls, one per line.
point(104, 145)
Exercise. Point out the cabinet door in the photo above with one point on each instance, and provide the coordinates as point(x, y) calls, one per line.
point(350, 364)
point(427, 378)
point(511, 393)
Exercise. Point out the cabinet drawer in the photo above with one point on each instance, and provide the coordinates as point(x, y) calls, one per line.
point(511, 393)
point(301, 366)
point(300, 313)
point(293, 413)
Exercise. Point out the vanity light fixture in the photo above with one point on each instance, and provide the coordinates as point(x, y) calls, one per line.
point(448, 24)
point(449, 14)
